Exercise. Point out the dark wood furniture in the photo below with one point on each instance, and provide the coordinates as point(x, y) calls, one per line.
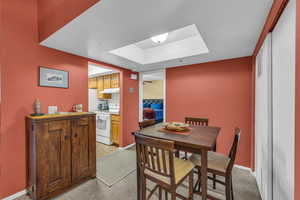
point(146, 123)
point(196, 121)
point(157, 163)
point(200, 141)
point(221, 165)
point(62, 152)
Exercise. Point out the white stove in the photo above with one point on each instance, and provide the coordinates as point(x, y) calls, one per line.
point(103, 127)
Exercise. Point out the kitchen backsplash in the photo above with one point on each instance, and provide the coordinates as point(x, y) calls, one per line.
point(115, 98)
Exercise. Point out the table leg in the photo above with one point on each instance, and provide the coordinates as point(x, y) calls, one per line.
point(204, 174)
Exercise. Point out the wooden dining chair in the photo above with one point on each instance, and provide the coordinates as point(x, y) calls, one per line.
point(196, 121)
point(220, 165)
point(146, 123)
point(157, 163)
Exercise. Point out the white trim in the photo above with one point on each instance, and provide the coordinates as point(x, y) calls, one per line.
point(127, 147)
point(141, 91)
point(244, 168)
point(16, 195)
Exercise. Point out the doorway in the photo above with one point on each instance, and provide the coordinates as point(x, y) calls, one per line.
point(152, 96)
point(104, 100)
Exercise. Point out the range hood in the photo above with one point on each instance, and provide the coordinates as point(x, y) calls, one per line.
point(111, 91)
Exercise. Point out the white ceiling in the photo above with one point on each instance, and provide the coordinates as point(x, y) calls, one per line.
point(95, 70)
point(229, 28)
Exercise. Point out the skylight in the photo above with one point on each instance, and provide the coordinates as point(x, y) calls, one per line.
point(180, 43)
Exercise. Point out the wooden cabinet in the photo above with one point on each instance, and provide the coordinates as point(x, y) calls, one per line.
point(115, 80)
point(115, 129)
point(100, 88)
point(92, 83)
point(106, 81)
point(62, 152)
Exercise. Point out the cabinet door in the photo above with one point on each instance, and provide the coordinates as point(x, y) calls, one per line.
point(115, 128)
point(100, 83)
point(53, 156)
point(92, 83)
point(83, 148)
point(115, 80)
point(106, 81)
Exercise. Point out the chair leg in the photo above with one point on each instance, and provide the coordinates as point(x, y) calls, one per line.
point(159, 193)
point(191, 184)
point(232, 198)
point(173, 195)
point(199, 179)
point(214, 181)
point(228, 188)
point(144, 189)
point(166, 195)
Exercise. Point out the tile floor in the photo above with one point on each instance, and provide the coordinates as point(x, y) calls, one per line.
point(103, 150)
point(244, 189)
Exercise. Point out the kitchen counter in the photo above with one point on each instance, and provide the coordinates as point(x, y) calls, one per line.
point(58, 115)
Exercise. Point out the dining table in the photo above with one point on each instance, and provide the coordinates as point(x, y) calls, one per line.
point(199, 140)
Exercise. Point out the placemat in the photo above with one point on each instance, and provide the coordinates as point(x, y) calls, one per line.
point(187, 132)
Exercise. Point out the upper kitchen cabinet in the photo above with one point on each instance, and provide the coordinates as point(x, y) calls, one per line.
point(100, 88)
point(115, 80)
point(107, 81)
point(92, 83)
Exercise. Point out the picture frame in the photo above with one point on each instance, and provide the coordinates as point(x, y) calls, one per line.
point(51, 77)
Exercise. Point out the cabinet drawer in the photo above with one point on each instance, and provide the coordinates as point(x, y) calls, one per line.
point(115, 117)
point(83, 121)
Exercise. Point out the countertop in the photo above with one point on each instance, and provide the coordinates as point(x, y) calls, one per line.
point(57, 115)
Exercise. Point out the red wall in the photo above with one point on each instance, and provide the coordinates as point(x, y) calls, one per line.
point(220, 91)
point(19, 78)
point(130, 106)
point(54, 14)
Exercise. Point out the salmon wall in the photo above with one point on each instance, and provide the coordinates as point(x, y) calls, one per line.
point(54, 14)
point(130, 106)
point(220, 91)
point(21, 56)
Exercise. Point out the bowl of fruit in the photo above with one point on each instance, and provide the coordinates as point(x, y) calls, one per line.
point(176, 126)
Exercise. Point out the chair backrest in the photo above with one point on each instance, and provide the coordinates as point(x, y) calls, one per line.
point(155, 155)
point(196, 121)
point(233, 150)
point(146, 123)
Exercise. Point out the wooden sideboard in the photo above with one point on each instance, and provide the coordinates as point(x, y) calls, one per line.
point(62, 152)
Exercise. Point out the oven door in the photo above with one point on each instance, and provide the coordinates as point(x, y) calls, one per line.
point(102, 126)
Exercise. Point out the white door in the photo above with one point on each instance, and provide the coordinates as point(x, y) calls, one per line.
point(263, 120)
point(283, 67)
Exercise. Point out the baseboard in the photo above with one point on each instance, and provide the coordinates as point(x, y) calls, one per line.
point(16, 195)
point(127, 147)
point(244, 168)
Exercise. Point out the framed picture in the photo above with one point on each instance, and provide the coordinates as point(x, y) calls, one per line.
point(49, 77)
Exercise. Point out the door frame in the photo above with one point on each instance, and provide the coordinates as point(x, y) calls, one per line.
point(141, 92)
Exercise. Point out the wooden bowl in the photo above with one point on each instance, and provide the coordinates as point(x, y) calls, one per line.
point(176, 126)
